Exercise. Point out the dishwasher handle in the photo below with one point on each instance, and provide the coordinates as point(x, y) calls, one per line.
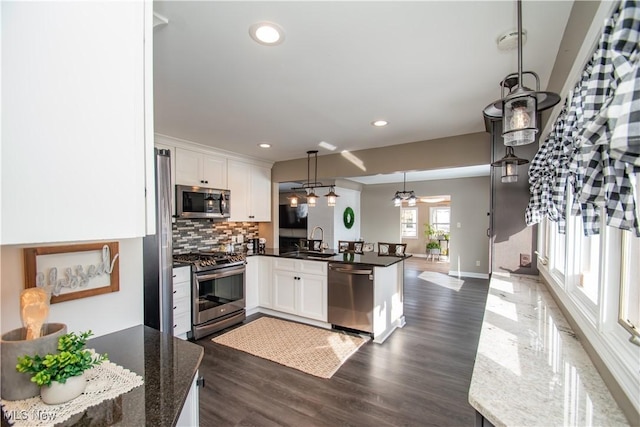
point(351, 271)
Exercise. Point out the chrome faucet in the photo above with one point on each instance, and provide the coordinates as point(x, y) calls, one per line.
point(321, 235)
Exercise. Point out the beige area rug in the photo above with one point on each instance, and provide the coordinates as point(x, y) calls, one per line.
point(443, 280)
point(312, 350)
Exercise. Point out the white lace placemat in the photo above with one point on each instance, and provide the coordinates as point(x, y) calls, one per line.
point(105, 381)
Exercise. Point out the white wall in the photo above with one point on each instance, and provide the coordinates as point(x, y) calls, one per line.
point(101, 313)
point(330, 218)
point(348, 198)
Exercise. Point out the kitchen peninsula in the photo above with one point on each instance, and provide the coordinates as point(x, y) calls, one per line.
point(295, 285)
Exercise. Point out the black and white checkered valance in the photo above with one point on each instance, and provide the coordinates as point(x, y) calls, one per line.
point(594, 145)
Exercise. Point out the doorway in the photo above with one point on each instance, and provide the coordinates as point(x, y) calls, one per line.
point(425, 228)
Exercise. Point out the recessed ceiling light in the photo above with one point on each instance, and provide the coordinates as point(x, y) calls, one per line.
point(380, 123)
point(264, 145)
point(267, 33)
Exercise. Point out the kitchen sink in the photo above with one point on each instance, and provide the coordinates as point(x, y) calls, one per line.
point(308, 254)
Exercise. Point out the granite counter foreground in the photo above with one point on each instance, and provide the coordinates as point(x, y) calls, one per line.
point(168, 366)
point(530, 369)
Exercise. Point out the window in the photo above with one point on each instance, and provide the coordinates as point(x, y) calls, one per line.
point(630, 290)
point(440, 218)
point(596, 279)
point(585, 277)
point(409, 222)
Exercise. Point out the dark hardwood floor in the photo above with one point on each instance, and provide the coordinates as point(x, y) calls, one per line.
point(419, 377)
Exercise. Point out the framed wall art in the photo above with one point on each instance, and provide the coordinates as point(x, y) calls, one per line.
point(73, 271)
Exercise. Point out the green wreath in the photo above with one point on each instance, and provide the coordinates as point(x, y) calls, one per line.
point(348, 217)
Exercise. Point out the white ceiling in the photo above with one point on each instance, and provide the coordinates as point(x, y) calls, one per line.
point(429, 68)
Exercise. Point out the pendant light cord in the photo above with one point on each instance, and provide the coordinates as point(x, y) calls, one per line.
point(519, 3)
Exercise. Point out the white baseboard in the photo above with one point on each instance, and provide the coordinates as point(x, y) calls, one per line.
point(399, 323)
point(460, 274)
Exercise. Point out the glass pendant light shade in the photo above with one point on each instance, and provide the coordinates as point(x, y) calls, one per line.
point(331, 197)
point(519, 120)
point(411, 201)
point(293, 201)
point(397, 201)
point(509, 165)
point(509, 172)
point(312, 198)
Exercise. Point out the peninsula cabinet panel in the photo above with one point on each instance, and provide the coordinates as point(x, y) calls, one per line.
point(200, 170)
point(74, 140)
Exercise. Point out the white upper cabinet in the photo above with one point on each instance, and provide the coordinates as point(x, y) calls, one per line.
point(76, 117)
point(200, 170)
point(250, 187)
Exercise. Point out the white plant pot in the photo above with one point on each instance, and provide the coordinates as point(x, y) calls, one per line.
point(58, 393)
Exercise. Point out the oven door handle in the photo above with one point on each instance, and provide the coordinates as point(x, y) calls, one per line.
point(220, 274)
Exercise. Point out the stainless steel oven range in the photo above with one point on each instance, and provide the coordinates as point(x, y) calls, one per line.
point(218, 290)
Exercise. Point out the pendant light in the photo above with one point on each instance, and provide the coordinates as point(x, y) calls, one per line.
point(293, 200)
point(519, 108)
point(309, 187)
point(509, 164)
point(331, 197)
point(409, 196)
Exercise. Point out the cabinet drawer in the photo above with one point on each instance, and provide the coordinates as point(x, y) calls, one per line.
point(182, 274)
point(314, 267)
point(181, 305)
point(181, 290)
point(181, 324)
point(285, 264)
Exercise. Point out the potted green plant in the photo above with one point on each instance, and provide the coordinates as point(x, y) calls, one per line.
point(61, 375)
point(433, 247)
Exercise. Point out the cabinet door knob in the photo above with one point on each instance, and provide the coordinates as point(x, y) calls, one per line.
point(175, 306)
point(206, 182)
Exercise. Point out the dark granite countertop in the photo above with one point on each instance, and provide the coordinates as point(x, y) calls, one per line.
point(168, 366)
point(370, 258)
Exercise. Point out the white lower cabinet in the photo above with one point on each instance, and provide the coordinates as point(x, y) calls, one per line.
point(190, 415)
point(258, 282)
point(300, 288)
point(252, 280)
point(181, 301)
point(265, 282)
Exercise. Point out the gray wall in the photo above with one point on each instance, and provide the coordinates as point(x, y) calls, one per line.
point(469, 207)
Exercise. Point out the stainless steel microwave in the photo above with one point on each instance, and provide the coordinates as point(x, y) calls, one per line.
point(201, 202)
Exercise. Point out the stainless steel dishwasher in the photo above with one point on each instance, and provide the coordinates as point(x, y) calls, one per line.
point(351, 296)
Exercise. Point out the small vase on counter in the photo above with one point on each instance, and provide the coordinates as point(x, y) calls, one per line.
point(57, 393)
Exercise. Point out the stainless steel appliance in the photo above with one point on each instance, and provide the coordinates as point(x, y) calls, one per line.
point(201, 202)
point(218, 290)
point(351, 296)
point(157, 252)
